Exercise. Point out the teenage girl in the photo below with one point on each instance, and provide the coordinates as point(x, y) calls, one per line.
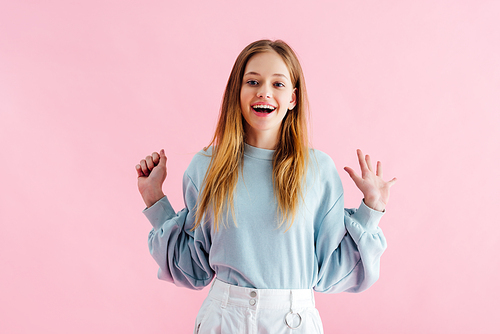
point(264, 214)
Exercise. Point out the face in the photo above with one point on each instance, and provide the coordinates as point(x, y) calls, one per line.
point(266, 96)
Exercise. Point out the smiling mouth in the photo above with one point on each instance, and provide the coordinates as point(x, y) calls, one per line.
point(263, 108)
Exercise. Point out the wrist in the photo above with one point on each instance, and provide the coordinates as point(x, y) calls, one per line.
point(374, 205)
point(152, 197)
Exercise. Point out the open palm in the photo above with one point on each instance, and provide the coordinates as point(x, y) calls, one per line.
point(371, 184)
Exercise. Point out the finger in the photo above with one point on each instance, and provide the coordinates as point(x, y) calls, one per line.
point(149, 162)
point(369, 162)
point(163, 157)
point(352, 174)
point(391, 182)
point(361, 159)
point(139, 171)
point(156, 158)
point(144, 168)
point(379, 169)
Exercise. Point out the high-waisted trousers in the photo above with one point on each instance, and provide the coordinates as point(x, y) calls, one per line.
point(229, 309)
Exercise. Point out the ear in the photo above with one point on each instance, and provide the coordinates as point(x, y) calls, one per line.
point(293, 100)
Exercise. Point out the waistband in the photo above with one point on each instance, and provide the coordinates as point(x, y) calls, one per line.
point(290, 299)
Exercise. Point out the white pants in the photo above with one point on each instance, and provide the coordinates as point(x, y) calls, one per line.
point(229, 309)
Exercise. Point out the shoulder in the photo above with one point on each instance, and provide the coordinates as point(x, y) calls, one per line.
point(199, 164)
point(321, 160)
point(323, 170)
point(202, 157)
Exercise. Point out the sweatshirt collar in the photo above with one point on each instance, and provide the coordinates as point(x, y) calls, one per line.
point(258, 153)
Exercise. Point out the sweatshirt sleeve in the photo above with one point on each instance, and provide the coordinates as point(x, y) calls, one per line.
point(182, 254)
point(348, 248)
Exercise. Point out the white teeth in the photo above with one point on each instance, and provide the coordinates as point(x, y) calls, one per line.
point(264, 106)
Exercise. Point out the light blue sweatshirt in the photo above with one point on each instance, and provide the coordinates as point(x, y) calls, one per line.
point(328, 248)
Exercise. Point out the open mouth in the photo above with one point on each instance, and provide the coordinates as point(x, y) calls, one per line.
point(263, 108)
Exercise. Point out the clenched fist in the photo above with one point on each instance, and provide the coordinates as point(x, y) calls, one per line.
point(151, 173)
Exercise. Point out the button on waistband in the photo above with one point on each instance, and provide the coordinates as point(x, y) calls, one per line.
point(253, 302)
point(253, 294)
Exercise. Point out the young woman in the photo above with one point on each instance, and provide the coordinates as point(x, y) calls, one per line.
point(264, 213)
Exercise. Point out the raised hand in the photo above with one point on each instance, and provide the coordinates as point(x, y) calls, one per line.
point(373, 187)
point(151, 173)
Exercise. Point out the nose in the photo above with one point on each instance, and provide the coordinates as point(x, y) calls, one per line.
point(264, 92)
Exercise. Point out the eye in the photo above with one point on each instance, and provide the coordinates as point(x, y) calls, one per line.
point(252, 82)
point(279, 84)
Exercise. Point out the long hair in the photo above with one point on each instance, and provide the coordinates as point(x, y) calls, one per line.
point(291, 153)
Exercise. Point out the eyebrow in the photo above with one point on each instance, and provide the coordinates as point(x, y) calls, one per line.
point(274, 75)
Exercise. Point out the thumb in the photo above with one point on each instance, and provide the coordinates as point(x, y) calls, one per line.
point(351, 173)
point(355, 177)
point(163, 158)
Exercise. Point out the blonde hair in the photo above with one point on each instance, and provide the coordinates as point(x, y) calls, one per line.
point(291, 152)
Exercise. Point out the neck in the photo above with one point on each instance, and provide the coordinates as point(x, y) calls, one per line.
point(262, 139)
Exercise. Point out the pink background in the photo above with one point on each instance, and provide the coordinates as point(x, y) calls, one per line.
point(89, 88)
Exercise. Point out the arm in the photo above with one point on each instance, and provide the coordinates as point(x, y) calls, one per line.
point(349, 248)
point(181, 254)
point(349, 253)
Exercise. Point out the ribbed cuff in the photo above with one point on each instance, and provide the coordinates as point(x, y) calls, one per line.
point(159, 212)
point(367, 217)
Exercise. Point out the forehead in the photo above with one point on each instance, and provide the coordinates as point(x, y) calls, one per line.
point(267, 64)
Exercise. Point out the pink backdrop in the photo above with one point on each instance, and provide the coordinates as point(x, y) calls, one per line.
point(89, 88)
